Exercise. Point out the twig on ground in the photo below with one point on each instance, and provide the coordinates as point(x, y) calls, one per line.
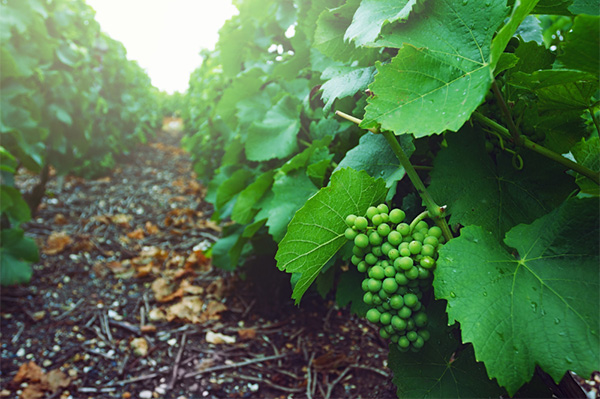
point(71, 310)
point(104, 323)
point(378, 371)
point(18, 334)
point(126, 326)
point(123, 365)
point(177, 362)
point(266, 381)
point(235, 365)
point(248, 309)
point(309, 387)
point(331, 386)
point(274, 348)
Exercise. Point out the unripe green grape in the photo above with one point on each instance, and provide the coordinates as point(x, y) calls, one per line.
point(424, 232)
point(404, 312)
point(383, 208)
point(398, 323)
point(374, 285)
point(412, 336)
point(394, 238)
point(420, 319)
point(383, 294)
point(361, 223)
point(397, 216)
point(372, 211)
point(377, 272)
point(384, 229)
point(405, 251)
point(389, 329)
point(410, 325)
point(430, 240)
point(421, 225)
point(368, 298)
point(393, 254)
point(427, 250)
point(376, 300)
point(390, 271)
point(418, 307)
point(377, 251)
point(396, 302)
point(435, 231)
point(373, 315)
point(371, 259)
point(362, 267)
point(419, 237)
point(403, 228)
point(390, 285)
point(401, 279)
point(407, 239)
point(413, 246)
point(427, 262)
point(350, 220)
point(404, 263)
point(360, 251)
point(418, 343)
point(394, 338)
point(355, 260)
point(384, 334)
point(423, 273)
point(385, 318)
point(386, 247)
point(386, 306)
point(385, 217)
point(361, 240)
point(424, 334)
point(350, 234)
point(410, 300)
point(365, 285)
point(375, 239)
point(412, 274)
point(403, 342)
point(377, 220)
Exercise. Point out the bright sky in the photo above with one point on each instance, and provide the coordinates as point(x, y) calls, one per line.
point(164, 36)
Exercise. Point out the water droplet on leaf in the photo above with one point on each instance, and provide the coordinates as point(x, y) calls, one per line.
point(556, 320)
point(452, 294)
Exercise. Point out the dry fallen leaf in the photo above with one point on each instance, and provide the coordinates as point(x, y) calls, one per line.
point(156, 314)
point(139, 346)
point(189, 309)
point(57, 242)
point(165, 291)
point(60, 219)
point(247, 333)
point(137, 234)
point(28, 372)
point(57, 379)
point(218, 338)
point(122, 220)
point(151, 228)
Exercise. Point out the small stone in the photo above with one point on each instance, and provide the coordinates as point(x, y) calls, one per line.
point(140, 346)
point(21, 352)
point(253, 387)
point(172, 341)
point(161, 390)
point(47, 363)
point(145, 395)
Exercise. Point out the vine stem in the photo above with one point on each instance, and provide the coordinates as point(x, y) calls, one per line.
point(525, 142)
point(512, 128)
point(434, 210)
point(417, 219)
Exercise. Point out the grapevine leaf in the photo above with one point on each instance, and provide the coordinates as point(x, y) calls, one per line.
point(13, 204)
point(344, 81)
point(374, 155)
point(441, 369)
point(442, 68)
point(553, 7)
point(346, 292)
point(533, 57)
point(538, 306)
point(520, 11)
point(495, 195)
point(581, 48)
point(371, 15)
point(316, 232)
point(16, 254)
point(587, 153)
point(589, 7)
point(249, 197)
point(291, 192)
point(233, 185)
point(562, 89)
point(275, 136)
point(531, 30)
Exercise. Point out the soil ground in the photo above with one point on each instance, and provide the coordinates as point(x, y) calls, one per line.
point(124, 304)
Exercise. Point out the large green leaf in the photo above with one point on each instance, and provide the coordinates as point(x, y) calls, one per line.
point(587, 153)
point(495, 195)
point(233, 185)
point(559, 89)
point(16, 254)
point(443, 368)
point(275, 136)
point(371, 15)
point(536, 305)
point(249, 197)
point(290, 193)
point(581, 48)
point(344, 81)
point(374, 155)
point(442, 71)
point(316, 232)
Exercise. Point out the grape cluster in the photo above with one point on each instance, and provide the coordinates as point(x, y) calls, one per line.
point(398, 261)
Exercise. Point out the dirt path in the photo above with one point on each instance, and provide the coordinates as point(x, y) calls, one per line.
point(124, 304)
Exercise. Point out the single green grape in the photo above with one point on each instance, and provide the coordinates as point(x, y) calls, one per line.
point(385, 217)
point(404, 312)
point(360, 251)
point(396, 302)
point(390, 271)
point(427, 262)
point(383, 295)
point(362, 267)
point(371, 259)
point(421, 225)
point(383, 208)
point(364, 285)
point(368, 298)
point(374, 285)
point(420, 319)
point(375, 239)
point(410, 324)
point(414, 246)
point(355, 260)
point(383, 333)
point(417, 236)
point(427, 250)
point(394, 338)
point(350, 234)
point(393, 254)
point(435, 231)
point(384, 229)
point(401, 279)
point(372, 211)
point(398, 323)
point(397, 216)
point(410, 300)
point(412, 336)
point(418, 343)
point(377, 300)
point(361, 240)
point(361, 223)
point(377, 220)
point(430, 240)
point(424, 274)
point(424, 334)
point(385, 318)
point(373, 315)
point(377, 251)
point(377, 272)
point(386, 306)
point(386, 247)
point(403, 342)
point(403, 263)
point(350, 220)
point(390, 285)
point(394, 238)
point(412, 274)
point(403, 228)
point(405, 251)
